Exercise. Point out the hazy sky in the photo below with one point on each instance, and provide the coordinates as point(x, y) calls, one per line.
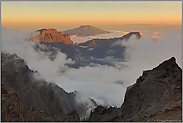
point(68, 14)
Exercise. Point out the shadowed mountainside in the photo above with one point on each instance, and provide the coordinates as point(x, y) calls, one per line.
point(13, 109)
point(38, 95)
point(156, 96)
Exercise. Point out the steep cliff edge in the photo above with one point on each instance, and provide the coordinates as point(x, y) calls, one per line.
point(156, 96)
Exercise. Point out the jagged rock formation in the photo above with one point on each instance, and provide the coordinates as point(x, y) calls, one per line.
point(93, 44)
point(53, 36)
point(156, 96)
point(38, 95)
point(86, 30)
point(13, 109)
point(76, 45)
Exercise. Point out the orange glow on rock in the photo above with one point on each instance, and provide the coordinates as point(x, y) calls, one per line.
point(53, 36)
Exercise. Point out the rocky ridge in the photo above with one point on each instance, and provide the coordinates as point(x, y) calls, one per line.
point(83, 52)
point(108, 42)
point(156, 96)
point(38, 95)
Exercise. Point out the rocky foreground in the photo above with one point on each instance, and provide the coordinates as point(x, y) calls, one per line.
point(156, 96)
point(25, 98)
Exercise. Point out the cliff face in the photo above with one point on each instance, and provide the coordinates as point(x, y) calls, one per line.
point(157, 90)
point(53, 36)
point(156, 96)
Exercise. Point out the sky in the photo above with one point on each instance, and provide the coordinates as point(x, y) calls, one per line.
point(27, 15)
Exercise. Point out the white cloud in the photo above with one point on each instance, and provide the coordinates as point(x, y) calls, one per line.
point(102, 83)
point(16, 41)
point(113, 34)
point(105, 84)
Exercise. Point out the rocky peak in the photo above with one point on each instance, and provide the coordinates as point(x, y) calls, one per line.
point(156, 96)
point(53, 36)
point(93, 44)
point(85, 26)
point(127, 36)
point(154, 91)
point(76, 45)
point(168, 65)
point(86, 30)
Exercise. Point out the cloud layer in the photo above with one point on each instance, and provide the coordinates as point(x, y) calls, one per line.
point(18, 42)
point(105, 84)
point(113, 34)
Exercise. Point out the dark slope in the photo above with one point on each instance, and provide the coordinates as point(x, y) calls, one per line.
point(37, 94)
point(13, 110)
point(86, 30)
point(108, 42)
point(156, 96)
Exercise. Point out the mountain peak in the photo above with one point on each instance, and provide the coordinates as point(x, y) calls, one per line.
point(168, 64)
point(53, 36)
point(93, 44)
point(155, 95)
point(85, 26)
point(86, 30)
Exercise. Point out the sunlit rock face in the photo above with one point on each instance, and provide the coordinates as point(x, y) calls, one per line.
point(53, 36)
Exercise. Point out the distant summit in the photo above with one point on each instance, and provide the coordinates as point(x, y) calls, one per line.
point(86, 30)
point(53, 36)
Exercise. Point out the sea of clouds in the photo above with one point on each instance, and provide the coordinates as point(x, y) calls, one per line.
point(105, 84)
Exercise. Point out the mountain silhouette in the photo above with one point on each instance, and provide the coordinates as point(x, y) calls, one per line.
point(86, 30)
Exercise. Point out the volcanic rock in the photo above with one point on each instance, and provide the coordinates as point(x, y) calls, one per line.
point(76, 45)
point(53, 36)
point(93, 44)
point(156, 96)
point(40, 98)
